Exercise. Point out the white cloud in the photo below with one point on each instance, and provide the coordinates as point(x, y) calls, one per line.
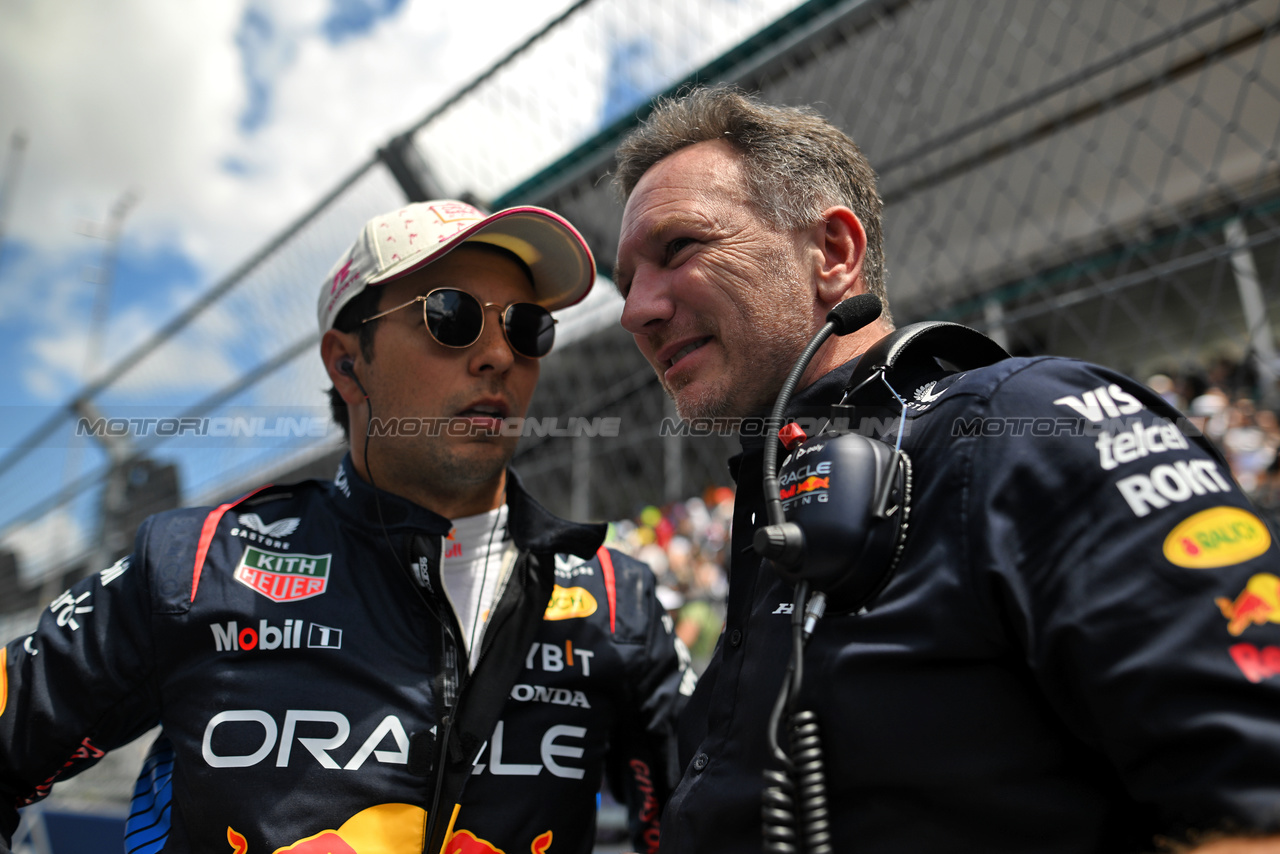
point(147, 96)
point(150, 96)
point(114, 96)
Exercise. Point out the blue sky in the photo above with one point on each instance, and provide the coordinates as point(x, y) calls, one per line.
point(224, 120)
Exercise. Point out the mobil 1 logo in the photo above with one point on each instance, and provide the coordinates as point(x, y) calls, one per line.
point(294, 634)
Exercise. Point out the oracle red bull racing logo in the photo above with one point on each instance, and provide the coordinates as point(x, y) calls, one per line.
point(283, 577)
point(809, 484)
point(384, 829)
point(805, 484)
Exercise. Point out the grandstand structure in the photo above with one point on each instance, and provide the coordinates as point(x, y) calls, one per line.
point(1091, 178)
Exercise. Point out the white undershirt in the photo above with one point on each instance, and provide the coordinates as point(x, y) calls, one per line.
point(473, 572)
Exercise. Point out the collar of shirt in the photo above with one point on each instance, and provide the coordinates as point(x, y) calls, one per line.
point(813, 401)
point(532, 526)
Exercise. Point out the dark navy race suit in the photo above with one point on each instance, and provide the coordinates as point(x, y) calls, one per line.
point(1079, 649)
point(310, 687)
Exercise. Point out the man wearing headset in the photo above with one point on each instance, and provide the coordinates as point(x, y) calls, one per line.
point(414, 657)
point(1079, 649)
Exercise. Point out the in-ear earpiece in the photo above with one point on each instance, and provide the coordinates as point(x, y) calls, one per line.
point(347, 365)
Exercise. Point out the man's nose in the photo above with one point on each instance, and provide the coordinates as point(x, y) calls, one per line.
point(492, 351)
point(649, 303)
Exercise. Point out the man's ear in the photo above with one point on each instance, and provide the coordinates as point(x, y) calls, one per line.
point(841, 245)
point(340, 351)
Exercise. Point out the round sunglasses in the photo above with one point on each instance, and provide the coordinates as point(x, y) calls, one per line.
point(455, 319)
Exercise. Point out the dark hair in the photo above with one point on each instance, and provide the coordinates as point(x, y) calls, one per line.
point(797, 163)
point(349, 319)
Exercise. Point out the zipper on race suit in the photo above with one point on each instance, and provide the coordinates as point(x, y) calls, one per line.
point(502, 611)
point(455, 664)
point(424, 578)
point(455, 667)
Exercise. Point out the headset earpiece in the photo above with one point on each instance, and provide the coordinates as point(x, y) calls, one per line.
point(851, 495)
point(346, 365)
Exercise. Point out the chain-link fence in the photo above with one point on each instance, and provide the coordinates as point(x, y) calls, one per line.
point(251, 406)
point(1094, 178)
point(1091, 179)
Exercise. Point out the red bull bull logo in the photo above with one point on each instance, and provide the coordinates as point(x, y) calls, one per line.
point(382, 828)
point(466, 842)
point(1220, 536)
point(809, 484)
point(1257, 604)
point(385, 829)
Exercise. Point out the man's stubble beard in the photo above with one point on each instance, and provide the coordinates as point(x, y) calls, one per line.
point(781, 320)
point(429, 465)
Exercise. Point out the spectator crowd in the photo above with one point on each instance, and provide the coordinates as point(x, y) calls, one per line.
point(685, 543)
point(1237, 411)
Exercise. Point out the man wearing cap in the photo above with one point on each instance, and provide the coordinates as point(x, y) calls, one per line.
point(417, 653)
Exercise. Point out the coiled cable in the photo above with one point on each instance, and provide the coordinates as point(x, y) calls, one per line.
point(794, 815)
point(810, 783)
point(779, 814)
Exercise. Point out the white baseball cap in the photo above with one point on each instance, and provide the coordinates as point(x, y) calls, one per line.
point(398, 243)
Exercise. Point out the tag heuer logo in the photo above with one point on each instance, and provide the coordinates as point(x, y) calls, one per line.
point(283, 577)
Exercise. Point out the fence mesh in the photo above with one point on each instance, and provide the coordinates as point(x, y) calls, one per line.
point(1090, 179)
point(1095, 178)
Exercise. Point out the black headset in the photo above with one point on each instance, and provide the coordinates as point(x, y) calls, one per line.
point(839, 506)
point(837, 522)
point(837, 509)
